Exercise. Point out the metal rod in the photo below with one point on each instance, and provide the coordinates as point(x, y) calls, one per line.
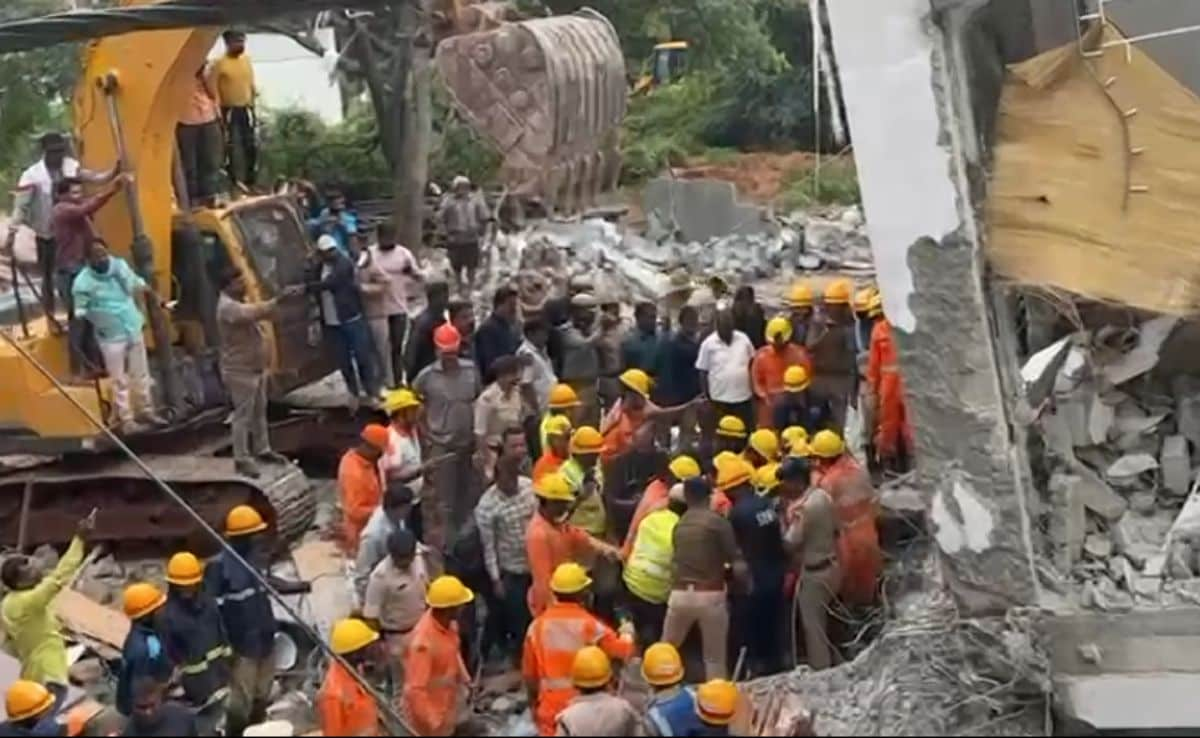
point(384, 704)
point(23, 524)
point(1151, 36)
point(16, 281)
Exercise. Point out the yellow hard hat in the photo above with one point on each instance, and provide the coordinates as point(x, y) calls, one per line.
point(591, 668)
point(637, 380)
point(400, 399)
point(446, 592)
point(732, 472)
point(242, 521)
point(141, 599)
point(569, 578)
point(350, 635)
point(792, 434)
point(724, 456)
point(684, 468)
point(184, 569)
point(827, 445)
point(563, 397)
point(731, 426)
point(662, 666)
point(779, 328)
point(554, 487)
point(716, 701)
point(587, 440)
point(800, 295)
point(26, 699)
point(766, 477)
point(862, 298)
point(766, 443)
point(558, 425)
point(838, 292)
point(875, 306)
point(796, 379)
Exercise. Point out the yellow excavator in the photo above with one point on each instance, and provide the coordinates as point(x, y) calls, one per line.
point(543, 91)
point(667, 64)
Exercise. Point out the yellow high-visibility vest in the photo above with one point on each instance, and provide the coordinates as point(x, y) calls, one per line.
point(648, 571)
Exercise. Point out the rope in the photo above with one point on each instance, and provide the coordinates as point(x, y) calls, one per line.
point(82, 25)
point(383, 703)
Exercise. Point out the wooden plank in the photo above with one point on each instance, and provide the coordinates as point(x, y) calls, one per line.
point(321, 564)
point(83, 615)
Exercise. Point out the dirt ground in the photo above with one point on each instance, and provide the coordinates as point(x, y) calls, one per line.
point(759, 176)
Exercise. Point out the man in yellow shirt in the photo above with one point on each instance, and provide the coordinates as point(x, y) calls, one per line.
point(233, 78)
point(27, 612)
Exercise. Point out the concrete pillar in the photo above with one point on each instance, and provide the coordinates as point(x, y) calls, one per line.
point(910, 102)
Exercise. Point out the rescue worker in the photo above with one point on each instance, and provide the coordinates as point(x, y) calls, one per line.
point(580, 339)
point(551, 540)
point(716, 704)
point(854, 500)
point(402, 462)
point(596, 711)
point(247, 616)
point(31, 711)
point(681, 469)
point(343, 706)
point(766, 480)
point(868, 310)
point(244, 365)
point(557, 448)
point(394, 600)
point(769, 365)
point(795, 440)
point(392, 515)
point(563, 403)
point(194, 636)
point(830, 342)
point(893, 435)
point(704, 550)
point(632, 411)
point(143, 654)
point(731, 435)
point(153, 715)
point(583, 472)
point(757, 612)
point(553, 639)
point(800, 300)
point(434, 671)
point(33, 632)
point(647, 573)
point(799, 406)
point(763, 448)
point(358, 484)
point(794, 475)
point(811, 540)
point(865, 316)
point(672, 708)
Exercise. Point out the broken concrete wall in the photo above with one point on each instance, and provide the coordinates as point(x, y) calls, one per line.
point(906, 86)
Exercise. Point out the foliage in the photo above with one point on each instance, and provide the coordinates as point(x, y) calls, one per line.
point(666, 126)
point(836, 185)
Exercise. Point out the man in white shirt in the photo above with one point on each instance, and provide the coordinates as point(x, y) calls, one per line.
point(400, 266)
point(537, 379)
point(35, 200)
point(724, 364)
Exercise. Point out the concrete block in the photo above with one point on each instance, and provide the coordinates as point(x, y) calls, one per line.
point(1100, 420)
point(1187, 407)
point(1074, 410)
point(1145, 355)
point(1068, 527)
point(1130, 466)
point(1098, 546)
point(703, 208)
point(1098, 496)
point(1176, 465)
point(1041, 370)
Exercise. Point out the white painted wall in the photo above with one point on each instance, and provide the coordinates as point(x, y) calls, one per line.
point(290, 76)
point(884, 56)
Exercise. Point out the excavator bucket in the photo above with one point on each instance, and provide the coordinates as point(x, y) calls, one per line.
point(550, 94)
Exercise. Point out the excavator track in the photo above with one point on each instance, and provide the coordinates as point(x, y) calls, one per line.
point(52, 498)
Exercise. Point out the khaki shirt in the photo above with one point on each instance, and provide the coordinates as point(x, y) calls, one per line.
point(464, 218)
point(494, 412)
point(599, 714)
point(241, 336)
point(812, 535)
point(704, 547)
point(397, 598)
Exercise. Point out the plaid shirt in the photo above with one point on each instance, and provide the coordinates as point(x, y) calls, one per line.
point(502, 521)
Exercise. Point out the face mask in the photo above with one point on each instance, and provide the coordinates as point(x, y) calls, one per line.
point(101, 267)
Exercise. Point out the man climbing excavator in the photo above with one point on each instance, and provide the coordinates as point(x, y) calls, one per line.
point(550, 93)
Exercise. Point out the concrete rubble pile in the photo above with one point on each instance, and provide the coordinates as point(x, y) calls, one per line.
point(929, 673)
point(1123, 512)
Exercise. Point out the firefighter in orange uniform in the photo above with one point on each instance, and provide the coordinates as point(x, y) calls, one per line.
point(553, 640)
point(433, 666)
point(849, 485)
point(893, 434)
point(343, 706)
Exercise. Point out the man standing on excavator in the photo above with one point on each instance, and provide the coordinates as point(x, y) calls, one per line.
point(464, 216)
point(233, 79)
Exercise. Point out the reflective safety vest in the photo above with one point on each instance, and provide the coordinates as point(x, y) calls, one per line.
point(589, 513)
point(648, 571)
point(675, 714)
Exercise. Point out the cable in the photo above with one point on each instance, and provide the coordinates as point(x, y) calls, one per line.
point(320, 642)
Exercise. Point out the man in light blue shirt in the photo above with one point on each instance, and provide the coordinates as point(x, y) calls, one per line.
point(105, 293)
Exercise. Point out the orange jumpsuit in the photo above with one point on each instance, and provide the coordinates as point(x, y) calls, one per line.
point(887, 388)
point(360, 493)
point(858, 536)
point(766, 375)
point(344, 708)
point(550, 646)
point(547, 545)
point(618, 428)
point(653, 499)
point(433, 673)
point(547, 463)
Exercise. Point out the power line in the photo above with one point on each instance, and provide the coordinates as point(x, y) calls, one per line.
point(384, 704)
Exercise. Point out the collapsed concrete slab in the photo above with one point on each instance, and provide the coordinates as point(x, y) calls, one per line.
point(700, 209)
